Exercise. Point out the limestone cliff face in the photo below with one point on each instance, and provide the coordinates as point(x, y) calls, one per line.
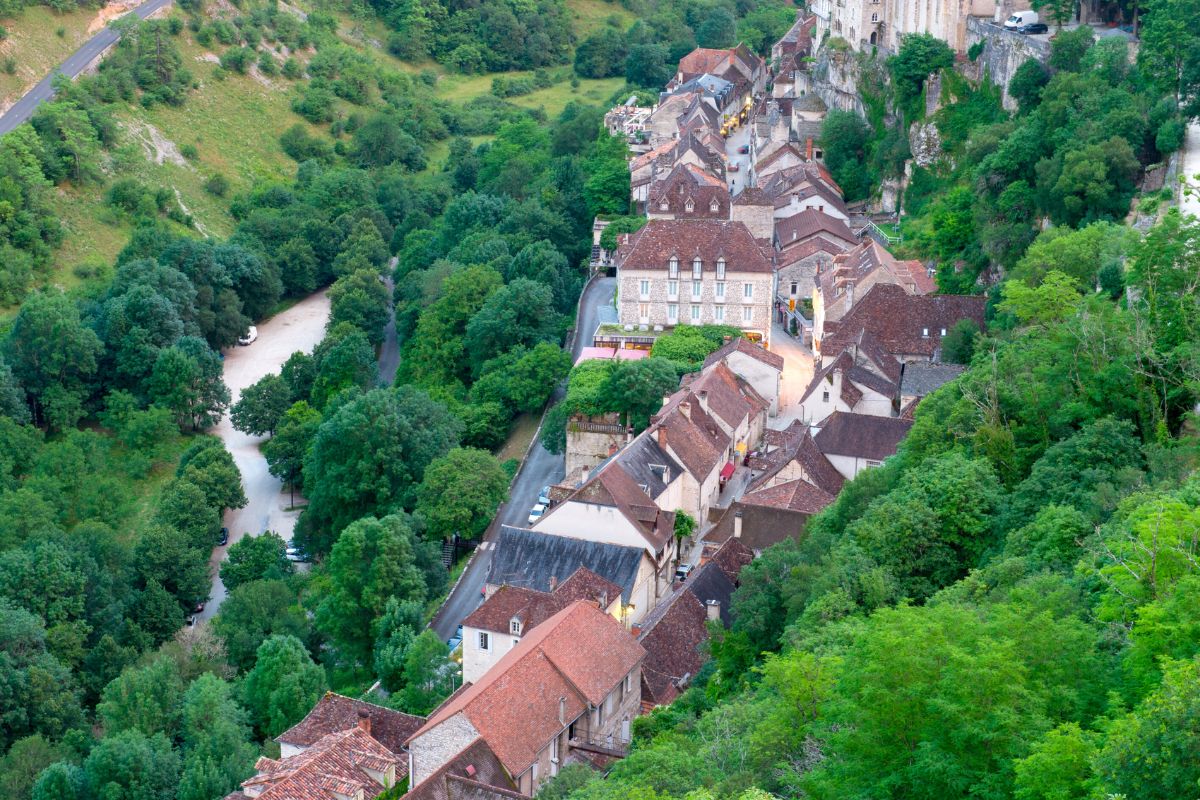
point(835, 78)
point(1003, 52)
point(925, 143)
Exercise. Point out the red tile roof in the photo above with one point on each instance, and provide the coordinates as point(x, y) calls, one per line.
point(335, 712)
point(674, 642)
point(686, 184)
point(578, 655)
point(612, 486)
point(861, 435)
point(798, 495)
point(653, 246)
point(903, 324)
point(855, 265)
point(739, 344)
point(339, 763)
point(474, 773)
point(811, 222)
point(532, 607)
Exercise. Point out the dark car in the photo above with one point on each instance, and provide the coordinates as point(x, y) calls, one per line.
point(1033, 27)
point(224, 540)
point(199, 607)
point(744, 149)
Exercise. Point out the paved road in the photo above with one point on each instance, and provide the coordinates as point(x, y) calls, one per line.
point(389, 351)
point(23, 109)
point(540, 469)
point(301, 327)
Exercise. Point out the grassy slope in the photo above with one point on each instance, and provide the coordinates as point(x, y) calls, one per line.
point(34, 45)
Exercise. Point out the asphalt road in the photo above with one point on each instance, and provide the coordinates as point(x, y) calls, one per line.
point(540, 469)
point(23, 109)
point(301, 327)
point(1190, 169)
point(389, 351)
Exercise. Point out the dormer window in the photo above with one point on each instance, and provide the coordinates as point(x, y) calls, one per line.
point(720, 269)
point(689, 206)
point(714, 206)
point(943, 331)
point(514, 626)
point(697, 270)
point(663, 205)
point(924, 333)
point(673, 267)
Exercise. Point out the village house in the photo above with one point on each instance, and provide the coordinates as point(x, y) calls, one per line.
point(676, 632)
point(881, 24)
point(699, 149)
point(850, 278)
point(349, 764)
point(862, 379)
point(920, 378)
point(755, 209)
point(571, 684)
point(474, 773)
point(906, 326)
point(854, 442)
point(695, 272)
point(796, 43)
point(754, 364)
point(688, 192)
point(804, 242)
point(542, 561)
point(738, 65)
point(334, 713)
point(511, 612)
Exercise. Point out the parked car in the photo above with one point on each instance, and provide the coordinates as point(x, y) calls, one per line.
point(744, 149)
point(249, 337)
point(295, 554)
point(191, 620)
point(734, 167)
point(199, 607)
point(681, 574)
point(224, 540)
point(544, 496)
point(1019, 19)
point(454, 641)
point(537, 512)
point(1033, 27)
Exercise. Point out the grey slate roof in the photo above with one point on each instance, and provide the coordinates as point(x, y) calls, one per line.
point(711, 583)
point(530, 559)
point(644, 461)
point(920, 378)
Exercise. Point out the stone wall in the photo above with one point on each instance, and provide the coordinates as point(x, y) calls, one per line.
point(590, 440)
point(1003, 52)
point(834, 78)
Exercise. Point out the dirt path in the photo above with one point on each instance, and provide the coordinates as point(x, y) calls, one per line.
point(1189, 168)
point(301, 327)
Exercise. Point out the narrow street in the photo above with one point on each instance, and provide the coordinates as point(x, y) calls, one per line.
point(1190, 168)
point(300, 327)
point(540, 469)
point(738, 177)
point(797, 374)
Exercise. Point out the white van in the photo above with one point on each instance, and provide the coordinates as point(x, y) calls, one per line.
point(1020, 19)
point(249, 337)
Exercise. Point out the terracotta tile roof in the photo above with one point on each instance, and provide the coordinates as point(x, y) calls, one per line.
point(811, 222)
point(903, 324)
point(335, 712)
point(752, 196)
point(731, 557)
point(686, 184)
point(337, 763)
point(861, 435)
point(762, 526)
point(739, 344)
point(578, 656)
point(612, 486)
point(856, 265)
point(853, 372)
point(797, 445)
point(674, 640)
point(538, 560)
point(532, 607)
point(798, 495)
point(473, 773)
point(653, 246)
point(791, 253)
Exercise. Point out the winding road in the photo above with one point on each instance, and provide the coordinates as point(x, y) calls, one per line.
point(76, 63)
point(300, 327)
point(540, 469)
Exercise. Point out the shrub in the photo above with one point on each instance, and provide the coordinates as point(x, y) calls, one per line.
point(293, 69)
point(217, 185)
point(189, 151)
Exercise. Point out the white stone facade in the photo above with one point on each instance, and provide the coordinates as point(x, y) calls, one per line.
point(655, 299)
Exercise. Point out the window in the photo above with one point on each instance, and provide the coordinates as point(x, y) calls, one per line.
point(795, 288)
point(874, 18)
point(515, 627)
point(644, 312)
point(664, 205)
point(720, 269)
point(697, 269)
point(943, 331)
point(695, 288)
point(714, 206)
point(672, 288)
point(629, 682)
point(719, 313)
point(924, 333)
point(748, 291)
point(689, 206)
point(644, 287)
point(721, 292)
point(695, 313)
point(747, 313)
point(672, 312)
point(485, 641)
point(825, 396)
point(673, 267)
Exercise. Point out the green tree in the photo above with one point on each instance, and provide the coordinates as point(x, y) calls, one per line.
point(1059, 766)
point(395, 631)
point(131, 766)
point(283, 686)
point(255, 611)
point(1058, 10)
point(53, 356)
point(254, 558)
point(646, 65)
point(718, 29)
point(429, 675)
point(844, 140)
point(40, 694)
point(522, 379)
point(460, 492)
point(636, 389)
point(367, 458)
point(517, 315)
point(186, 379)
point(1026, 84)
point(1067, 48)
point(601, 55)
point(372, 560)
point(959, 343)
point(1170, 38)
point(217, 753)
point(184, 506)
point(285, 450)
point(60, 781)
point(920, 55)
point(261, 406)
point(209, 466)
point(145, 699)
point(25, 760)
point(361, 299)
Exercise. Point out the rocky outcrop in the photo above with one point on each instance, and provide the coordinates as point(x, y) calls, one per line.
point(1003, 52)
point(925, 143)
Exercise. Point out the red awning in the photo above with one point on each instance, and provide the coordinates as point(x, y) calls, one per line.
point(727, 470)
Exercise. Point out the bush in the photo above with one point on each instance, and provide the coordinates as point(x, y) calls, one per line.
point(217, 185)
point(10, 65)
point(189, 151)
point(293, 70)
point(976, 50)
point(60, 32)
point(267, 64)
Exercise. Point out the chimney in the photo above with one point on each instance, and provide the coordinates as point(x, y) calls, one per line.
point(584, 475)
point(737, 524)
point(470, 770)
point(686, 410)
point(704, 400)
point(808, 149)
point(553, 582)
point(628, 434)
point(666, 399)
point(662, 436)
point(713, 607)
point(364, 720)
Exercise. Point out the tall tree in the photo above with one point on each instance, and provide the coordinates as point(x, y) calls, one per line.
point(217, 753)
point(261, 406)
point(460, 492)
point(283, 686)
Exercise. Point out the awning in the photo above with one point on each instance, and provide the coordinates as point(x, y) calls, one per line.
point(727, 471)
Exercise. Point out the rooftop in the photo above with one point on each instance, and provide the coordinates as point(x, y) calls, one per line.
point(861, 435)
point(537, 560)
point(335, 712)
